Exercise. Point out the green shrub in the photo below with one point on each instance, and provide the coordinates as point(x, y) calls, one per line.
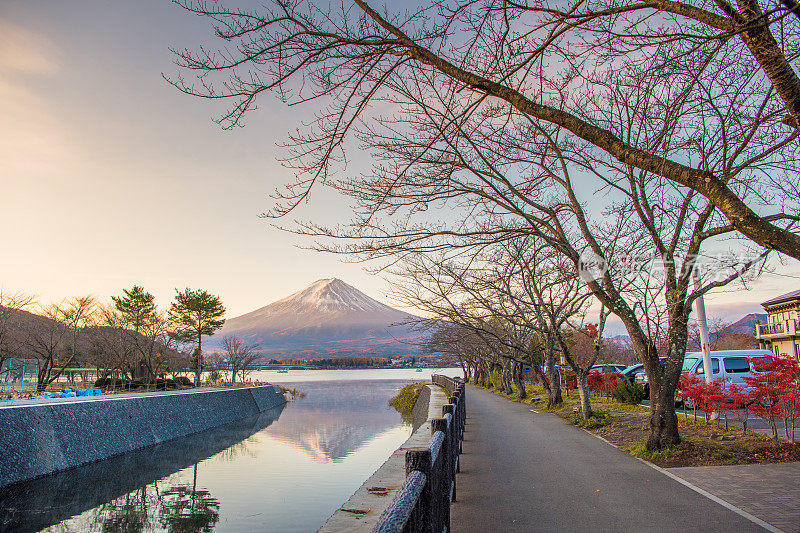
point(495, 380)
point(102, 383)
point(162, 383)
point(599, 419)
point(665, 453)
point(628, 392)
point(183, 381)
point(405, 399)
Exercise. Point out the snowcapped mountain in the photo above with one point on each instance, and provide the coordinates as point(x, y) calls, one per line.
point(327, 318)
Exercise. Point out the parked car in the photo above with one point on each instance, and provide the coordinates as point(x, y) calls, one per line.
point(731, 365)
point(608, 368)
point(630, 373)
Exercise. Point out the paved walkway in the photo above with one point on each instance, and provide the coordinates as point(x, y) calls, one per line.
point(769, 491)
point(525, 471)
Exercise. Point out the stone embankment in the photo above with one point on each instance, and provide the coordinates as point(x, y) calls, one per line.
point(40, 503)
point(361, 512)
point(41, 437)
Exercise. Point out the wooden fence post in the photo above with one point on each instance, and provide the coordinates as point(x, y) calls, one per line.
point(445, 480)
point(451, 409)
point(420, 459)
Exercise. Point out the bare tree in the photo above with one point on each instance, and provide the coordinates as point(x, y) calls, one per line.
point(111, 351)
point(135, 345)
point(239, 356)
point(49, 341)
point(606, 156)
point(77, 313)
point(11, 342)
point(458, 342)
point(152, 342)
point(558, 298)
point(487, 294)
point(560, 64)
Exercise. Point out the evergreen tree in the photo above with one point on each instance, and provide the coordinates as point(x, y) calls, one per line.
point(196, 313)
point(136, 306)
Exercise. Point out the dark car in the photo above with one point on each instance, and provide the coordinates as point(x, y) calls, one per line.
point(640, 376)
point(608, 368)
point(629, 374)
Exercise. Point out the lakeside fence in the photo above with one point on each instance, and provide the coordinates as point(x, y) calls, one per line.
point(423, 502)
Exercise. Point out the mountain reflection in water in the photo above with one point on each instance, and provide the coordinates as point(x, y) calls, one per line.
point(328, 426)
point(281, 471)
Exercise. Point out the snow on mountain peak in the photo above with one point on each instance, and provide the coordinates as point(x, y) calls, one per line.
point(328, 316)
point(332, 294)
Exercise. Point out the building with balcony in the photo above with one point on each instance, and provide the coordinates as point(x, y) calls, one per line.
point(781, 333)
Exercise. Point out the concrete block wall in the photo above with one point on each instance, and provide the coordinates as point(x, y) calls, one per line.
point(61, 495)
point(39, 438)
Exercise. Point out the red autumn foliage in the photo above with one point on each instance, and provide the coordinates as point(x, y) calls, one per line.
point(740, 402)
point(774, 391)
point(708, 397)
point(594, 380)
point(603, 382)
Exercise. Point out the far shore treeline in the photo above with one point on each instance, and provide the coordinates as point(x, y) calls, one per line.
point(128, 338)
point(348, 362)
point(130, 342)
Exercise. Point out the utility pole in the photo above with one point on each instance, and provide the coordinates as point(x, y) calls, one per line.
point(700, 308)
point(702, 322)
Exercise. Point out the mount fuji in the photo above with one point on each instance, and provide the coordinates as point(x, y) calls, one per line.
point(326, 319)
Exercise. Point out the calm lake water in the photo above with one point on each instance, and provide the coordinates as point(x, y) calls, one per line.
point(285, 470)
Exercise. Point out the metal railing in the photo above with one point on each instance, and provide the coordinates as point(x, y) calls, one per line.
point(771, 329)
point(423, 502)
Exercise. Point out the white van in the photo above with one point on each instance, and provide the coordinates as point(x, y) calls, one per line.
point(732, 365)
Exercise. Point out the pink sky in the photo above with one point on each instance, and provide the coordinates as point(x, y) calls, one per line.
point(111, 177)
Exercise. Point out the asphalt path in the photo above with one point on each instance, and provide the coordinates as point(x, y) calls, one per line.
point(526, 471)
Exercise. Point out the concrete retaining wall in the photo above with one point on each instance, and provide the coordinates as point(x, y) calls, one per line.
point(39, 438)
point(61, 495)
point(419, 414)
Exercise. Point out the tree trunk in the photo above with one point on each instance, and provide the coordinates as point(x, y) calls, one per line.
point(199, 358)
point(505, 378)
point(554, 377)
point(663, 419)
point(583, 392)
point(519, 382)
point(464, 369)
